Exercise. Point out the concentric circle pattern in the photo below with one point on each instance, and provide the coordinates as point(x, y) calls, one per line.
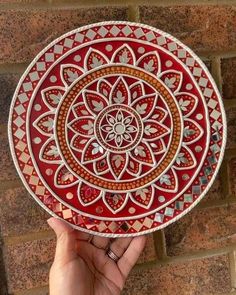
point(118, 128)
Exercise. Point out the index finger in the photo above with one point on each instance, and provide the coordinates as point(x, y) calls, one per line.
point(131, 255)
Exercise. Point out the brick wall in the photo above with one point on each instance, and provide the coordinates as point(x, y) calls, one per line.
point(197, 254)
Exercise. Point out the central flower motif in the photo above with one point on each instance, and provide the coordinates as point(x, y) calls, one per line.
point(118, 128)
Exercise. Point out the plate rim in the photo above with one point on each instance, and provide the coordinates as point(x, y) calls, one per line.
point(202, 65)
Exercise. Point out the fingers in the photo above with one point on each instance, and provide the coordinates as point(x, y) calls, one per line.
point(59, 226)
point(66, 240)
point(131, 255)
point(120, 245)
point(82, 236)
point(100, 243)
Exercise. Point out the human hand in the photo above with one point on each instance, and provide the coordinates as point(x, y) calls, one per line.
point(81, 265)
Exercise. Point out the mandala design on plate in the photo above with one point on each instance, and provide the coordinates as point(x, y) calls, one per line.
point(118, 127)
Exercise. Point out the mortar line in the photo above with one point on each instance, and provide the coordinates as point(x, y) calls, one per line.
point(216, 71)
point(61, 5)
point(33, 236)
point(160, 244)
point(202, 254)
point(232, 264)
point(133, 13)
point(209, 54)
point(228, 201)
point(10, 184)
point(231, 200)
point(3, 129)
point(13, 68)
point(229, 154)
point(229, 103)
point(3, 274)
point(32, 291)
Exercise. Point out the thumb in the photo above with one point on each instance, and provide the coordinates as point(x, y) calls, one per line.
point(66, 240)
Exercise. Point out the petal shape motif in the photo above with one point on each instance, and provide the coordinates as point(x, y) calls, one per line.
point(52, 96)
point(192, 131)
point(136, 90)
point(80, 110)
point(187, 102)
point(123, 54)
point(150, 62)
point(143, 154)
point(88, 195)
point(117, 163)
point(154, 130)
point(145, 105)
point(134, 167)
point(158, 146)
point(94, 102)
point(70, 73)
point(173, 79)
point(159, 114)
point(101, 166)
point(120, 92)
point(143, 197)
point(185, 159)
point(78, 142)
point(168, 182)
point(92, 151)
point(83, 126)
point(115, 202)
point(64, 178)
point(94, 58)
point(49, 152)
point(45, 123)
point(104, 87)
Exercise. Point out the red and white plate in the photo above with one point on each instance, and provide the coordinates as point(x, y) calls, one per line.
point(118, 128)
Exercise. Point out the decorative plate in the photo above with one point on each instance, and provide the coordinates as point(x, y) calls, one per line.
point(118, 128)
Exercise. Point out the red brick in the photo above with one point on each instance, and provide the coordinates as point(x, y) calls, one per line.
point(8, 171)
point(202, 27)
point(232, 174)
point(229, 77)
point(148, 253)
point(28, 264)
point(20, 214)
point(204, 276)
point(231, 126)
point(8, 84)
point(26, 32)
point(202, 229)
point(215, 192)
